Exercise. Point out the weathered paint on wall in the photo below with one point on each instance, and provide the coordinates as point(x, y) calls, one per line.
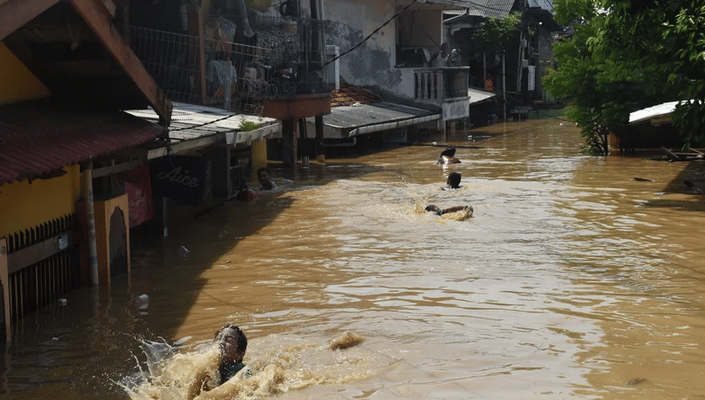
point(421, 28)
point(16, 82)
point(372, 64)
point(24, 205)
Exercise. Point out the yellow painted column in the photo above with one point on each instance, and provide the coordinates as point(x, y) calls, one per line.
point(258, 149)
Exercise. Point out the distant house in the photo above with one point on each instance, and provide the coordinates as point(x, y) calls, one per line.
point(386, 46)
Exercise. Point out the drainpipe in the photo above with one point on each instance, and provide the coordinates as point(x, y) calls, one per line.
point(90, 219)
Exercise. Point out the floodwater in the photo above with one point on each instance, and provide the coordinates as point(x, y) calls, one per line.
point(571, 280)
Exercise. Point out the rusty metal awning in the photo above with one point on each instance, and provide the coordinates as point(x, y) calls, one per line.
point(35, 143)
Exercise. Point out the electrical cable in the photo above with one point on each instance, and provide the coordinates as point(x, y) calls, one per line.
point(303, 81)
point(368, 37)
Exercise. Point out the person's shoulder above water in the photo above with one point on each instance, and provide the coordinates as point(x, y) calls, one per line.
point(269, 186)
point(232, 345)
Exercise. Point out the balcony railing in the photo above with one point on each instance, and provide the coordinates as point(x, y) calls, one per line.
point(438, 85)
point(239, 77)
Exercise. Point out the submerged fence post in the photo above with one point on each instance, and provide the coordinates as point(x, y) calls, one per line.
point(5, 278)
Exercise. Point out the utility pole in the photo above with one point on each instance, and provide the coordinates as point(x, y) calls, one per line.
point(504, 84)
point(522, 42)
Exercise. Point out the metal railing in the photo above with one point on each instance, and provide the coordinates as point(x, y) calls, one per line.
point(279, 60)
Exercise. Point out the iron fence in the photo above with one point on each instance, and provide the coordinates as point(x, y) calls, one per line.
point(279, 59)
point(33, 286)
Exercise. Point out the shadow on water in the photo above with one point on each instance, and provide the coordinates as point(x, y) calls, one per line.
point(79, 351)
point(87, 344)
point(679, 192)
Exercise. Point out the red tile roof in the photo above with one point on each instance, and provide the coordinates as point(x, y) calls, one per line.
point(34, 142)
point(348, 95)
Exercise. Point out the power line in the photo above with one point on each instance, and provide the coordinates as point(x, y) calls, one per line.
point(368, 37)
point(312, 74)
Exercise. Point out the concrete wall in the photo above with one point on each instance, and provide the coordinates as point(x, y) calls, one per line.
point(421, 28)
point(24, 204)
point(372, 64)
point(16, 82)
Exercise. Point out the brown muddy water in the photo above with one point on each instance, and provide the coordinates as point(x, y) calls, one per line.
point(572, 280)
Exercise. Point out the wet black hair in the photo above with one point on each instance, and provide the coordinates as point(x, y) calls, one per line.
point(241, 338)
point(432, 208)
point(454, 179)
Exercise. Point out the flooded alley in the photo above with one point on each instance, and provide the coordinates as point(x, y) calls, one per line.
point(571, 280)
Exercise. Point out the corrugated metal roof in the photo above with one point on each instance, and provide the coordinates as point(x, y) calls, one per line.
point(479, 95)
point(190, 122)
point(545, 4)
point(652, 112)
point(34, 142)
point(489, 8)
point(348, 121)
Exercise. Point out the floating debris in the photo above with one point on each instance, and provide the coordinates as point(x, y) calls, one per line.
point(142, 302)
point(183, 251)
point(636, 381)
point(636, 178)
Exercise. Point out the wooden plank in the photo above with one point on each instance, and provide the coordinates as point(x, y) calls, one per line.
point(14, 14)
point(117, 168)
point(97, 18)
point(35, 253)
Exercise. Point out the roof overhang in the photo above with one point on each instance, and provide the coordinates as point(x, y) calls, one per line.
point(193, 127)
point(37, 143)
point(545, 19)
point(348, 121)
point(77, 52)
point(656, 115)
point(479, 96)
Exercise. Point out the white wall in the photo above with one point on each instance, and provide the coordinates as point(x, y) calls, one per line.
point(371, 64)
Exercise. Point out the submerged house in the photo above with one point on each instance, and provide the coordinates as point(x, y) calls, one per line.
point(90, 140)
point(515, 70)
point(65, 76)
point(386, 47)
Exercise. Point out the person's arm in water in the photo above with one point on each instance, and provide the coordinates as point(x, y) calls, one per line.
point(452, 209)
point(435, 209)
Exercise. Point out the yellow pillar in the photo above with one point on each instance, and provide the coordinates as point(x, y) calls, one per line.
point(258, 149)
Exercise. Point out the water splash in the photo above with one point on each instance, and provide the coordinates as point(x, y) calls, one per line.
point(279, 364)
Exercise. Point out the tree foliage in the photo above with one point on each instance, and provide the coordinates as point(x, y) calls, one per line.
point(629, 54)
point(494, 35)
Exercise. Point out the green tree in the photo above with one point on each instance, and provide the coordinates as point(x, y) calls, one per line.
point(495, 34)
point(629, 54)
